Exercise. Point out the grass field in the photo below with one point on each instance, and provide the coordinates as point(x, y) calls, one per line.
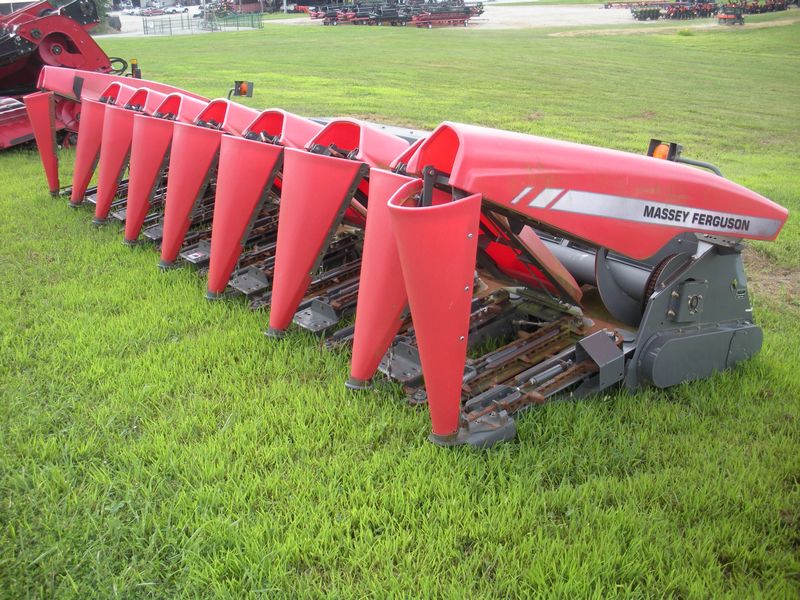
point(153, 445)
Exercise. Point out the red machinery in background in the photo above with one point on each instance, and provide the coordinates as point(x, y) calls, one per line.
point(38, 35)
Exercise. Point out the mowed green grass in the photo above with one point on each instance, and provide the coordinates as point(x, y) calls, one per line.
point(156, 445)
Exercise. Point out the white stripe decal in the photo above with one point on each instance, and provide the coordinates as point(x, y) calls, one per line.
point(545, 197)
point(521, 195)
point(660, 213)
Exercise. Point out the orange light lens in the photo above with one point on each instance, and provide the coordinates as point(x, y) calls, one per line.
point(661, 151)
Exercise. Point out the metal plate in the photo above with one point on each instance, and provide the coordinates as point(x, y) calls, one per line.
point(402, 363)
point(119, 215)
point(249, 281)
point(198, 254)
point(154, 233)
point(316, 316)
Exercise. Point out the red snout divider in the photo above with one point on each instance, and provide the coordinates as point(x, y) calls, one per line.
point(41, 109)
point(90, 133)
point(246, 171)
point(381, 292)
point(194, 152)
point(149, 147)
point(115, 147)
point(315, 191)
point(437, 246)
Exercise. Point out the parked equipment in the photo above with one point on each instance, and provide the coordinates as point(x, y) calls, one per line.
point(421, 14)
point(442, 16)
point(481, 285)
point(38, 35)
point(731, 14)
point(728, 13)
point(651, 11)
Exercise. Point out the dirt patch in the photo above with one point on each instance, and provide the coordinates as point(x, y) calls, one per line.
point(535, 116)
point(629, 30)
point(699, 26)
point(769, 279)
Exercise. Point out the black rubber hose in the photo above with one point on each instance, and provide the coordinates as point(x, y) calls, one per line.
point(115, 60)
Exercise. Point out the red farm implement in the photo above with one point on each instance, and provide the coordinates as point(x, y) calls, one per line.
point(421, 14)
point(651, 11)
point(754, 8)
point(39, 35)
point(442, 17)
point(727, 14)
point(479, 284)
point(731, 14)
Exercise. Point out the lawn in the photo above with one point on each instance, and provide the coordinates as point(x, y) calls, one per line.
point(153, 445)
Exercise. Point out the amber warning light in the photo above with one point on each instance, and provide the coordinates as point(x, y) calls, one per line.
point(241, 89)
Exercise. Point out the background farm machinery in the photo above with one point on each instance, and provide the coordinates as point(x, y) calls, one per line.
point(731, 14)
point(651, 11)
point(419, 14)
point(754, 8)
point(38, 35)
point(674, 10)
point(488, 271)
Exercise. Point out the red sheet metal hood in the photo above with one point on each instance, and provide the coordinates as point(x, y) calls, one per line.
point(77, 84)
point(629, 203)
point(375, 147)
point(292, 131)
point(182, 108)
point(231, 117)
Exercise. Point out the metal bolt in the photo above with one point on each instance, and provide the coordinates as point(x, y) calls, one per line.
point(461, 339)
point(466, 288)
point(671, 313)
point(469, 236)
point(675, 294)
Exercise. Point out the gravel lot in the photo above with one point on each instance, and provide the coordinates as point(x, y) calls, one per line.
point(527, 16)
